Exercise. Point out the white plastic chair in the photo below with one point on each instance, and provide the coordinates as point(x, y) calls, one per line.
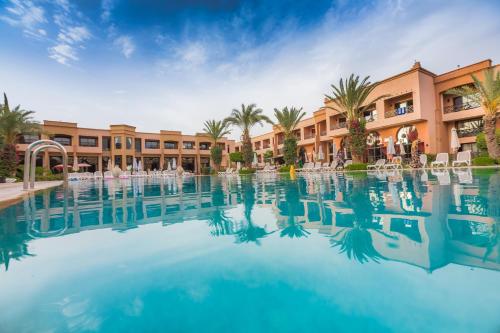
point(441, 160)
point(463, 157)
point(379, 164)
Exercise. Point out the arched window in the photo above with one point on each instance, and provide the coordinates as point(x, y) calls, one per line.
point(403, 136)
point(373, 147)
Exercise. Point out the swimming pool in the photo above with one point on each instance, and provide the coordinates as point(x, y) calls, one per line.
point(411, 252)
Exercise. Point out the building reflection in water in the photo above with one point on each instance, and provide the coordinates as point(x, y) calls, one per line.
point(419, 218)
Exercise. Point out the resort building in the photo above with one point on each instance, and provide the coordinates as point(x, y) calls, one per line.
point(121, 143)
point(417, 99)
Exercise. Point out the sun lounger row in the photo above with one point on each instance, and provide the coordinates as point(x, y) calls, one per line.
point(463, 159)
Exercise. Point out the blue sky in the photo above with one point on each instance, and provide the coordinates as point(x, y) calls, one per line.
point(172, 64)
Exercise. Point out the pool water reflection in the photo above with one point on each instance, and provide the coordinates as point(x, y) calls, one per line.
point(412, 251)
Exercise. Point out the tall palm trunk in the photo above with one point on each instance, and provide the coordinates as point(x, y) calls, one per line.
point(246, 148)
point(490, 123)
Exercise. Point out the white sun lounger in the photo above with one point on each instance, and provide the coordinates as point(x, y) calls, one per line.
point(378, 165)
point(463, 159)
point(441, 160)
point(395, 163)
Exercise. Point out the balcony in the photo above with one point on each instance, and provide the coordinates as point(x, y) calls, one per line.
point(399, 111)
point(309, 136)
point(339, 126)
point(460, 107)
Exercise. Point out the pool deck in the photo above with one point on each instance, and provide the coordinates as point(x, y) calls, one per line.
point(13, 192)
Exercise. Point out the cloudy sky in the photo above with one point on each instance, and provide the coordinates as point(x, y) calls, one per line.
point(173, 64)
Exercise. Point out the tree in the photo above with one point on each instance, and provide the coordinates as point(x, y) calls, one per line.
point(350, 98)
point(216, 129)
point(245, 119)
point(487, 94)
point(12, 124)
point(288, 121)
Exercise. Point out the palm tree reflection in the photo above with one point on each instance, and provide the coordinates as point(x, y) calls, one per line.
point(292, 208)
point(13, 245)
point(357, 242)
point(249, 231)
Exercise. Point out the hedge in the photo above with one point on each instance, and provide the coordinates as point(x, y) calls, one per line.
point(356, 167)
point(483, 161)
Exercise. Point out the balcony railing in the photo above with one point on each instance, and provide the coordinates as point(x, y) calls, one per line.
point(464, 132)
point(399, 111)
point(309, 136)
point(322, 133)
point(461, 107)
point(339, 126)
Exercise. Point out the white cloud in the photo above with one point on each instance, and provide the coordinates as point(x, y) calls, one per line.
point(107, 7)
point(63, 53)
point(126, 45)
point(26, 15)
point(72, 35)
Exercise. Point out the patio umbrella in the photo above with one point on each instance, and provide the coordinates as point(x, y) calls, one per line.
point(169, 166)
point(345, 153)
point(75, 165)
point(334, 149)
point(306, 157)
point(254, 162)
point(454, 144)
point(390, 147)
point(402, 150)
point(84, 165)
point(139, 165)
point(313, 155)
point(60, 167)
point(109, 165)
point(238, 165)
point(134, 164)
point(321, 155)
point(174, 164)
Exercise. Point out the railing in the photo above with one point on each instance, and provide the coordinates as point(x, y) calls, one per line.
point(370, 119)
point(309, 136)
point(339, 126)
point(461, 107)
point(399, 111)
point(322, 133)
point(464, 132)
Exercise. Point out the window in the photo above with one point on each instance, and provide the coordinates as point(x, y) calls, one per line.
point(138, 144)
point(65, 140)
point(370, 115)
point(88, 141)
point(470, 127)
point(204, 145)
point(118, 142)
point(106, 143)
point(118, 161)
point(28, 138)
point(170, 144)
point(129, 160)
point(188, 145)
point(403, 107)
point(373, 147)
point(402, 135)
point(128, 142)
point(222, 146)
point(342, 122)
point(152, 144)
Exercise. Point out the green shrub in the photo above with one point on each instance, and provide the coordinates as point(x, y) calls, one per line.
point(247, 171)
point(206, 170)
point(431, 158)
point(481, 142)
point(356, 166)
point(216, 154)
point(483, 161)
point(268, 155)
point(284, 168)
point(237, 156)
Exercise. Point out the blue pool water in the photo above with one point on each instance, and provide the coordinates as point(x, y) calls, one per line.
point(411, 252)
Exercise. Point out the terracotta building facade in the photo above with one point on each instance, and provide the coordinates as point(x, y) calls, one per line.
point(417, 99)
point(121, 143)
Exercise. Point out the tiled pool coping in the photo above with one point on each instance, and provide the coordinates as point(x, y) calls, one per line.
point(13, 192)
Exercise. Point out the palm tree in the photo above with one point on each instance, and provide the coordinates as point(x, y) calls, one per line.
point(12, 124)
point(351, 99)
point(216, 129)
point(245, 119)
point(487, 94)
point(288, 121)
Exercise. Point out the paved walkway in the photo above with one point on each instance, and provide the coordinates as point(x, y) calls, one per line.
point(12, 192)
